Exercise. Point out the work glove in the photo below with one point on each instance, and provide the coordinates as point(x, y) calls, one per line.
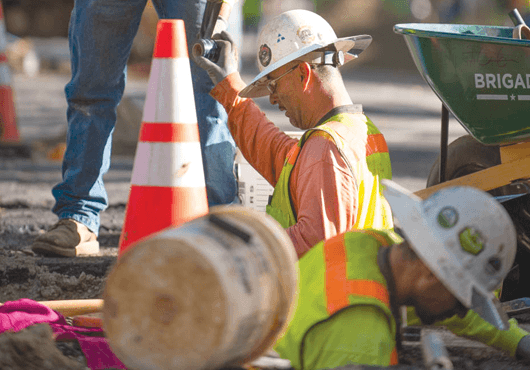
point(523, 349)
point(228, 59)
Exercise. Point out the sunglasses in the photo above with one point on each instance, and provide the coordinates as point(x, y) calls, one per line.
point(271, 84)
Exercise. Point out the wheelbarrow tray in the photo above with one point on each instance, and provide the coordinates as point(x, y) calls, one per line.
point(481, 74)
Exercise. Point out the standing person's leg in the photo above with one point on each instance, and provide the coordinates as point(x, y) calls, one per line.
point(101, 33)
point(218, 147)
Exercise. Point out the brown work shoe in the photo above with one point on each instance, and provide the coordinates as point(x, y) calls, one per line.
point(67, 238)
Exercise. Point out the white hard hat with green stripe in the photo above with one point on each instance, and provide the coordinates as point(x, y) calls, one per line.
point(465, 237)
point(300, 35)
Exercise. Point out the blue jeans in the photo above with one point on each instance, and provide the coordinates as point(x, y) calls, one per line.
point(101, 34)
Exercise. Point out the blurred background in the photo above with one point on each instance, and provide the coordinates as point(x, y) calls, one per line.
point(38, 28)
point(385, 79)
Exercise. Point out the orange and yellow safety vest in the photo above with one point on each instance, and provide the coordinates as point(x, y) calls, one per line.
point(356, 130)
point(336, 274)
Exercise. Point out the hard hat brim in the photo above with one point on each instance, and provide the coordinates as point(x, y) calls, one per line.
point(351, 47)
point(408, 211)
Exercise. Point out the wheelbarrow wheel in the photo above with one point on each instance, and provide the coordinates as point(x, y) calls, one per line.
point(465, 155)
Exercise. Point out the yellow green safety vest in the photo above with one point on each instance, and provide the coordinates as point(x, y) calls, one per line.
point(336, 274)
point(373, 210)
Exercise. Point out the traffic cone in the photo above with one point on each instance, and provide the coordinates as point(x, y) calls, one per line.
point(9, 135)
point(167, 183)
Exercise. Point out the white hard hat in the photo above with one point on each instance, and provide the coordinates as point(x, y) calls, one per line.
point(465, 237)
point(300, 35)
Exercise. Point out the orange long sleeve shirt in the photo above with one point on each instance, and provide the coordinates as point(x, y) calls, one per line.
point(321, 186)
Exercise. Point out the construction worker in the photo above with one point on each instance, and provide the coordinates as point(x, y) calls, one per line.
point(458, 246)
point(328, 182)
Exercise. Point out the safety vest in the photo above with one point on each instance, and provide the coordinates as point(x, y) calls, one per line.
point(364, 150)
point(336, 274)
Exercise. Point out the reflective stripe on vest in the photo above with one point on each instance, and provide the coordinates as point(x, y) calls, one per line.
point(376, 143)
point(292, 156)
point(338, 286)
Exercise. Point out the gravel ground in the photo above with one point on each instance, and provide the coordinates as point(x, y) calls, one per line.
point(26, 276)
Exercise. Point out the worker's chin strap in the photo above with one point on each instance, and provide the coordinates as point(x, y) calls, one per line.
point(383, 262)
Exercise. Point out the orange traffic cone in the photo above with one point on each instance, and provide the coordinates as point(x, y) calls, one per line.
point(167, 184)
point(9, 135)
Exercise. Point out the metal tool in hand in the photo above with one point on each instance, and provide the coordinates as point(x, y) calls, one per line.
point(435, 356)
point(516, 306)
point(216, 11)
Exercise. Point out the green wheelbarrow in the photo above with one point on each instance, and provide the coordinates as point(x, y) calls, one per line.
point(482, 76)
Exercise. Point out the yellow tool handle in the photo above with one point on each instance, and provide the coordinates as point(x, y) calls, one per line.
point(74, 307)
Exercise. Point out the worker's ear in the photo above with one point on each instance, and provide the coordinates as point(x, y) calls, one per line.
point(427, 277)
point(306, 75)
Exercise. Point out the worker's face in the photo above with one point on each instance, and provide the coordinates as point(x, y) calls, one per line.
point(285, 92)
point(435, 303)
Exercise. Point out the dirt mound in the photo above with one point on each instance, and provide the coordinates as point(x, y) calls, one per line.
point(34, 349)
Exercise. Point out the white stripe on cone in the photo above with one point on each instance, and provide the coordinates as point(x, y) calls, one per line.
point(5, 75)
point(170, 96)
point(168, 164)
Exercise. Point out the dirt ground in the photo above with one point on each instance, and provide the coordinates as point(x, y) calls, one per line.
point(25, 276)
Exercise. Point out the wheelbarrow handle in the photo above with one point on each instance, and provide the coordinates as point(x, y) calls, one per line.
point(516, 18)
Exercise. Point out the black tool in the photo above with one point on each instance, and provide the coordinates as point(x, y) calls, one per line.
point(216, 11)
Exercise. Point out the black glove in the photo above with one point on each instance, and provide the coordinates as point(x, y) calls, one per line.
point(523, 349)
point(228, 59)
